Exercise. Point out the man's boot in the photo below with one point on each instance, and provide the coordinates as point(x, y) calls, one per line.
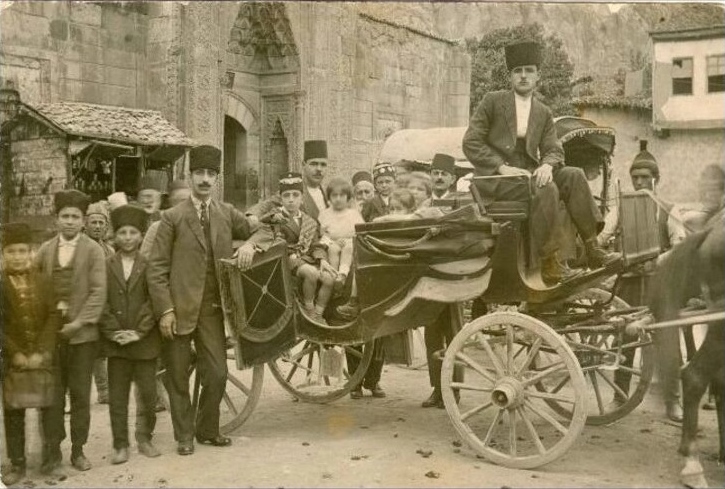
point(598, 257)
point(552, 272)
point(15, 474)
point(350, 310)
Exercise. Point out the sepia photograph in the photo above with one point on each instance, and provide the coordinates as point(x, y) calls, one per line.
point(364, 244)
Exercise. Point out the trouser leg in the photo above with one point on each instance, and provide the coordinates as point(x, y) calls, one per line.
point(669, 359)
point(211, 352)
point(144, 376)
point(433, 336)
point(54, 416)
point(100, 376)
point(375, 369)
point(574, 191)
point(353, 360)
point(15, 435)
point(80, 372)
point(120, 376)
point(177, 358)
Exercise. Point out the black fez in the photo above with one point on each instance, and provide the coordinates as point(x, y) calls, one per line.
point(16, 233)
point(645, 160)
point(206, 157)
point(315, 149)
point(522, 54)
point(148, 182)
point(444, 162)
point(361, 176)
point(129, 215)
point(290, 181)
point(71, 198)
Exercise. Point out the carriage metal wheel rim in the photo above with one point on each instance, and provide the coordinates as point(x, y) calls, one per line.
point(502, 416)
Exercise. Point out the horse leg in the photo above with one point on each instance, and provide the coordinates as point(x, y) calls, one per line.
point(694, 384)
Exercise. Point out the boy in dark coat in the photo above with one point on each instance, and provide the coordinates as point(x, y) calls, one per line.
point(131, 338)
point(28, 336)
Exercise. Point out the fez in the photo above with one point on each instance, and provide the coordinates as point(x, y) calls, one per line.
point(205, 157)
point(361, 176)
point(290, 181)
point(129, 215)
point(444, 162)
point(15, 233)
point(645, 160)
point(178, 185)
point(383, 170)
point(149, 183)
point(315, 149)
point(522, 54)
point(100, 208)
point(71, 198)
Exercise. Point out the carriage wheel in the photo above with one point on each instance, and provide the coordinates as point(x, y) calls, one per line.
point(501, 414)
point(607, 400)
point(316, 372)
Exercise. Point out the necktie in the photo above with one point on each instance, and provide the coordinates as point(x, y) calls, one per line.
point(204, 218)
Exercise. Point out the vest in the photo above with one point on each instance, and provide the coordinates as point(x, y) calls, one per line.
point(63, 280)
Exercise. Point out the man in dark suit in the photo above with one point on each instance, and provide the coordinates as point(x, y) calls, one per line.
point(511, 133)
point(185, 297)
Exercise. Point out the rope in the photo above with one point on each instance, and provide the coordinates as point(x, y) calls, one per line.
point(663, 206)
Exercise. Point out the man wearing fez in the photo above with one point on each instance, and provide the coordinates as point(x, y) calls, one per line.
point(512, 133)
point(363, 188)
point(314, 169)
point(179, 191)
point(149, 197)
point(75, 266)
point(28, 339)
point(185, 296)
point(443, 176)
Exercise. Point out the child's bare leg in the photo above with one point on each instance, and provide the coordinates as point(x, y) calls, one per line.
point(309, 275)
point(333, 255)
point(323, 295)
point(345, 257)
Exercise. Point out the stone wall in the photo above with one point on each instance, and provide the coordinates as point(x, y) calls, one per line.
point(76, 51)
point(681, 156)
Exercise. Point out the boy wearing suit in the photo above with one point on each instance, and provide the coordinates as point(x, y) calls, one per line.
point(185, 297)
point(28, 336)
point(512, 133)
point(131, 338)
point(384, 179)
point(75, 266)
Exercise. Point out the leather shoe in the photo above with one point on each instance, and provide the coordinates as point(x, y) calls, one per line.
point(146, 448)
point(552, 271)
point(356, 393)
point(217, 441)
point(120, 456)
point(674, 412)
point(378, 391)
point(52, 458)
point(597, 257)
point(14, 475)
point(435, 400)
point(185, 448)
point(80, 462)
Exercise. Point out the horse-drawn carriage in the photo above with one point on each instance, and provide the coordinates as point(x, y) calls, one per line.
point(519, 383)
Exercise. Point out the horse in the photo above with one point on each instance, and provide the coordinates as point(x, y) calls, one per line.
point(696, 268)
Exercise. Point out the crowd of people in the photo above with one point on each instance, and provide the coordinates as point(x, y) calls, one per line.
point(135, 283)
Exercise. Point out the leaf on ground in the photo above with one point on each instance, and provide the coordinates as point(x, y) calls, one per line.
point(432, 474)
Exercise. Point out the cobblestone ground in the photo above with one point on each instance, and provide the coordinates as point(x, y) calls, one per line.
point(375, 443)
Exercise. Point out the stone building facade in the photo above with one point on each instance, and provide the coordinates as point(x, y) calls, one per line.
point(255, 79)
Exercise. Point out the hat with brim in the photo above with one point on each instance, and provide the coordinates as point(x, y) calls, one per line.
point(361, 176)
point(444, 162)
point(205, 157)
point(290, 181)
point(316, 149)
point(129, 215)
point(71, 198)
point(15, 233)
point(522, 54)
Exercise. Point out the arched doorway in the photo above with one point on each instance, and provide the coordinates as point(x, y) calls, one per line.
point(235, 158)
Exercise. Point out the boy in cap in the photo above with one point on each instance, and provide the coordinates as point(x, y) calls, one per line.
point(511, 133)
point(384, 180)
point(186, 299)
point(131, 337)
point(28, 337)
point(75, 266)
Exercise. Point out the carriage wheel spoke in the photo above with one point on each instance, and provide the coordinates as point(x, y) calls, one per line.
point(509, 350)
point(633, 371)
point(614, 386)
point(476, 410)
point(475, 366)
point(512, 431)
point(550, 395)
point(302, 353)
point(238, 384)
point(532, 431)
point(531, 355)
point(470, 387)
point(495, 421)
point(597, 392)
point(550, 370)
point(230, 404)
point(494, 358)
point(353, 351)
point(546, 417)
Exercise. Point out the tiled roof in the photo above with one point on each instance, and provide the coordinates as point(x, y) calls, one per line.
point(135, 126)
point(688, 17)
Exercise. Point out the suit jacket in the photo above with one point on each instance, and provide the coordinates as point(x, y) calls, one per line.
point(177, 268)
point(89, 284)
point(490, 140)
point(25, 317)
point(373, 208)
point(129, 307)
point(303, 240)
point(308, 203)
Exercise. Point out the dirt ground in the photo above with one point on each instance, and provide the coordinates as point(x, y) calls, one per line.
point(375, 443)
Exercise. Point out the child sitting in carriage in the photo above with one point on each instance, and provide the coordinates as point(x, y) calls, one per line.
point(402, 207)
point(337, 226)
point(421, 187)
point(307, 256)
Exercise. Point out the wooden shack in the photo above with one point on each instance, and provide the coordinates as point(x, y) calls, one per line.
point(97, 149)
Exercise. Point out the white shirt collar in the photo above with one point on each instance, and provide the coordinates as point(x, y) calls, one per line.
point(69, 242)
point(197, 203)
